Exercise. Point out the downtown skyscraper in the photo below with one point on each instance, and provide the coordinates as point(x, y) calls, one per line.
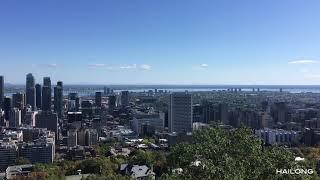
point(18, 100)
point(58, 98)
point(98, 99)
point(38, 96)
point(7, 105)
point(30, 91)
point(124, 98)
point(1, 90)
point(46, 94)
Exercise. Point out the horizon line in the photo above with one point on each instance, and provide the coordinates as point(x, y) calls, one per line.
point(142, 84)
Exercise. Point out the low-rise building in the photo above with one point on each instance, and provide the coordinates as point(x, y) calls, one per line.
point(137, 172)
point(278, 136)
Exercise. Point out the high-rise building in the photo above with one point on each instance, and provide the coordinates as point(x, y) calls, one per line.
point(281, 112)
point(18, 100)
point(7, 108)
point(180, 113)
point(98, 99)
point(46, 98)
point(197, 113)
point(1, 90)
point(58, 99)
point(47, 81)
point(46, 94)
point(15, 118)
point(112, 102)
point(30, 91)
point(87, 108)
point(208, 111)
point(124, 98)
point(60, 83)
point(38, 96)
point(105, 91)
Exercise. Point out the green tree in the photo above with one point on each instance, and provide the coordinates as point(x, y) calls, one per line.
point(141, 157)
point(91, 166)
point(231, 154)
point(103, 149)
point(22, 160)
point(51, 171)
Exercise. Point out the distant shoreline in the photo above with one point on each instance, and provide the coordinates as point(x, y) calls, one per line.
point(177, 86)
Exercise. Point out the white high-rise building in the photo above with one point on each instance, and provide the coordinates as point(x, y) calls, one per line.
point(180, 112)
point(15, 118)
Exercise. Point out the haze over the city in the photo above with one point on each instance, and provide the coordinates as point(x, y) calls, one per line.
point(161, 42)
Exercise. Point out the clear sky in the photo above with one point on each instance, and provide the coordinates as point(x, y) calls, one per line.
point(161, 41)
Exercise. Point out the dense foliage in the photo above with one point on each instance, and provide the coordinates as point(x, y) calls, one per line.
point(235, 154)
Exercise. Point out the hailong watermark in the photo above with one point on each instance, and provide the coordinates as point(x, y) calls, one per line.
point(295, 171)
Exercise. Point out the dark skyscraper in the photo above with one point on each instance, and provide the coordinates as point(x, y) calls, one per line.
point(30, 91)
point(105, 91)
point(46, 94)
point(1, 90)
point(60, 83)
point(98, 99)
point(47, 81)
point(58, 98)
point(281, 112)
point(124, 98)
point(46, 98)
point(18, 100)
point(208, 111)
point(112, 102)
point(38, 96)
point(87, 108)
point(7, 108)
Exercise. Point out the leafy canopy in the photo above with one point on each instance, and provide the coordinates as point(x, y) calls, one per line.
point(231, 154)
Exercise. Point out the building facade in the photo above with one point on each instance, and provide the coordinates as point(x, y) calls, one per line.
point(180, 113)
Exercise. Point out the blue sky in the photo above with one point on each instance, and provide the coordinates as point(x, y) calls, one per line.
point(161, 42)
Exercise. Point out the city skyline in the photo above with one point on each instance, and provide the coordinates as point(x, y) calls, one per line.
point(170, 89)
point(147, 42)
